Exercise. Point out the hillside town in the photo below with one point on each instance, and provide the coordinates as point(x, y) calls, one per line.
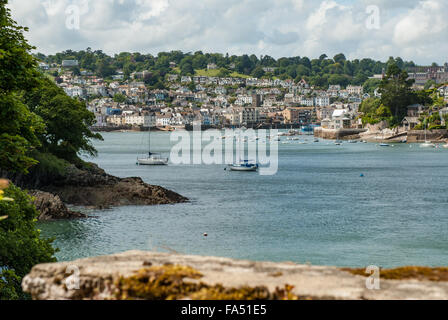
point(228, 101)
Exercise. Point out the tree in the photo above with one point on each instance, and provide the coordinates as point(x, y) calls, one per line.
point(21, 246)
point(192, 86)
point(396, 92)
point(104, 68)
point(18, 126)
point(339, 58)
point(383, 112)
point(119, 98)
point(60, 112)
point(223, 73)
point(258, 72)
point(370, 105)
point(370, 85)
point(429, 84)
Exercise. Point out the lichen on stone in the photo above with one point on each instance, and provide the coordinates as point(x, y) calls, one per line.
point(408, 272)
point(168, 282)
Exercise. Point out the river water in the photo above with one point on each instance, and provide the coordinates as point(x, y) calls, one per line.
point(318, 208)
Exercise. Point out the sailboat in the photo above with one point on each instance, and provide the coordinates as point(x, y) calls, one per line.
point(243, 165)
point(427, 144)
point(153, 159)
point(383, 144)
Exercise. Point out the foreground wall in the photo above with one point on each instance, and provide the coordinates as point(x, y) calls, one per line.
point(152, 275)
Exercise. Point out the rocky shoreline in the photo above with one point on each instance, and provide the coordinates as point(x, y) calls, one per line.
point(97, 189)
point(89, 187)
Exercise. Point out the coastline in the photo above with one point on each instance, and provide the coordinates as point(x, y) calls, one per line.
point(378, 136)
point(90, 187)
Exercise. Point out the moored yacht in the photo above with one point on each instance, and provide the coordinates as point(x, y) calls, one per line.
point(244, 165)
point(153, 159)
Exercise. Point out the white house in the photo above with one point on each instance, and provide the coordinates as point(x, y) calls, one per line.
point(75, 91)
point(163, 120)
point(322, 101)
point(309, 102)
point(355, 90)
point(339, 119)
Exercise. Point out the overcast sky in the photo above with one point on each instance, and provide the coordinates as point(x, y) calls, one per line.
point(413, 29)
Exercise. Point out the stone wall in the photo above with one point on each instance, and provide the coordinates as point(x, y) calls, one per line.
point(154, 275)
point(431, 135)
point(335, 134)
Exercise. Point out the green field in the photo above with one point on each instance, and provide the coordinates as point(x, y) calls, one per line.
point(214, 73)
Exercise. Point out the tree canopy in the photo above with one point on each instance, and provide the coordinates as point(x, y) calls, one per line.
point(320, 72)
point(396, 91)
point(36, 118)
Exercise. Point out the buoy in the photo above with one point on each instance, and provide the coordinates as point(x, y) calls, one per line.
point(205, 234)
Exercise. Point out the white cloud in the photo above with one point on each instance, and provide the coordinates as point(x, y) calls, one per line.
point(413, 29)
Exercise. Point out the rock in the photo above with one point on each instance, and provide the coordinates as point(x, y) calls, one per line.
point(102, 277)
point(93, 187)
point(337, 134)
point(51, 207)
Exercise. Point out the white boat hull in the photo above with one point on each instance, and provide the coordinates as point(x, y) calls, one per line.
point(153, 162)
point(239, 168)
point(427, 145)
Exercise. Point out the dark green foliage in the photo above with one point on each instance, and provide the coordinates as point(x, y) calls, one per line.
point(18, 126)
point(396, 92)
point(369, 106)
point(16, 64)
point(21, 246)
point(67, 121)
point(374, 112)
point(38, 123)
point(370, 85)
point(319, 72)
point(120, 98)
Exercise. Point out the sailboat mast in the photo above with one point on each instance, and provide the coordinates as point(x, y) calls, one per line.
point(425, 129)
point(149, 138)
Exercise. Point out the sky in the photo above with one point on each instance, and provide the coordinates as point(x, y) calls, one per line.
point(415, 30)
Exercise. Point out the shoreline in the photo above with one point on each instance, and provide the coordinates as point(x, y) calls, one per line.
point(368, 139)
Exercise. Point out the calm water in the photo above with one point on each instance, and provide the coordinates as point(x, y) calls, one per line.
point(316, 209)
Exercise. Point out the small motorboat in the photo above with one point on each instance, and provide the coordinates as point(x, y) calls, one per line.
point(244, 165)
